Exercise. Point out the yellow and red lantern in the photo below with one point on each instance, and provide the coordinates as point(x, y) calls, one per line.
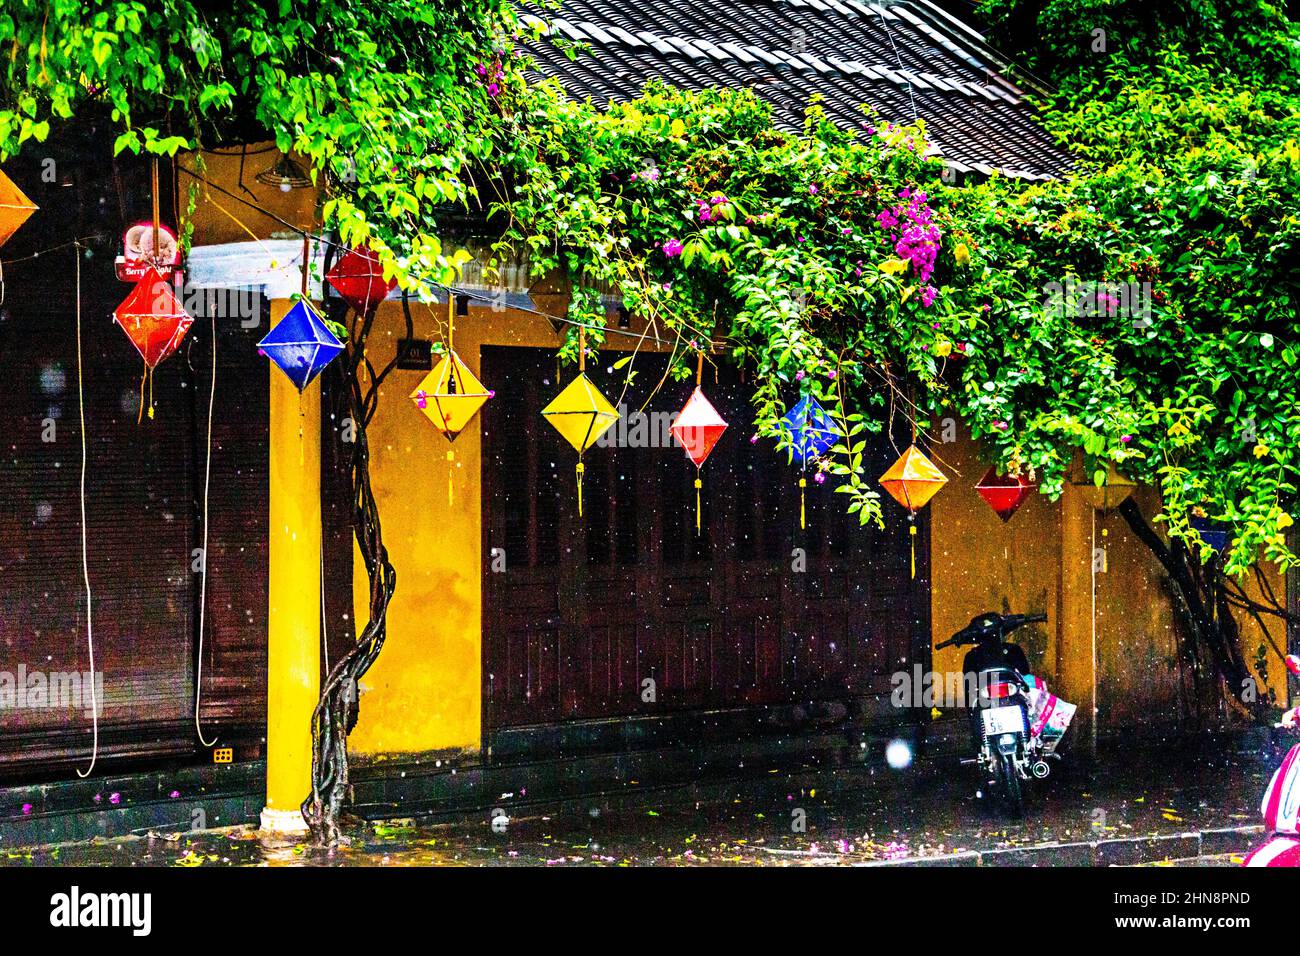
point(697, 428)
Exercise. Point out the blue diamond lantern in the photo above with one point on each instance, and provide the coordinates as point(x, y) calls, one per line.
point(1217, 534)
point(812, 431)
point(301, 344)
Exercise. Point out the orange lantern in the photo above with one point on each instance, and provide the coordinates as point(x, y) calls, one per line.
point(15, 208)
point(912, 481)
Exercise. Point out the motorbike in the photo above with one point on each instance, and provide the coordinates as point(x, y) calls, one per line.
point(1281, 803)
point(1016, 724)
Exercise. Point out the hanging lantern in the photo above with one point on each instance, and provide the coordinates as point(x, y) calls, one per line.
point(15, 208)
point(912, 481)
point(581, 414)
point(1217, 534)
point(1004, 493)
point(301, 344)
point(155, 322)
point(697, 428)
point(812, 433)
point(812, 430)
point(450, 396)
point(1113, 491)
point(359, 278)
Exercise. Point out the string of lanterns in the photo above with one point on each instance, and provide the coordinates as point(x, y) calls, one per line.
point(302, 344)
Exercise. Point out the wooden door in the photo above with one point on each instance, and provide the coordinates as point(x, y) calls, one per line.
point(580, 612)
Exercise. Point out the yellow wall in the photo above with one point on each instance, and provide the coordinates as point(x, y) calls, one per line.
point(1041, 561)
point(424, 691)
point(218, 216)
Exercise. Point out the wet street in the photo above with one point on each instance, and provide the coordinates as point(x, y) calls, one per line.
point(810, 817)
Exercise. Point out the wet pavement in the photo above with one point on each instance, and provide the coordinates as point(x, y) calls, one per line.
point(805, 817)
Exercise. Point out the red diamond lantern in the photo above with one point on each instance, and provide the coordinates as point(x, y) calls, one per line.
point(1004, 493)
point(359, 278)
point(697, 428)
point(153, 318)
point(155, 322)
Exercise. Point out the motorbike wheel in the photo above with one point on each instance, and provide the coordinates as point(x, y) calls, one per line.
point(1010, 794)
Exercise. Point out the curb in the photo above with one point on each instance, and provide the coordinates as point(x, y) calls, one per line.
point(1129, 851)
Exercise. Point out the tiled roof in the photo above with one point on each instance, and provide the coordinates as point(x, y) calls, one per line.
point(905, 59)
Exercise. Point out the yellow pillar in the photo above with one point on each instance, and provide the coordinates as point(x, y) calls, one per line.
point(294, 595)
point(1076, 649)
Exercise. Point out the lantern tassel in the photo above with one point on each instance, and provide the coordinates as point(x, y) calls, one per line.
point(698, 485)
point(150, 373)
point(803, 503)
point(451, 458)
point(581, 469)
point(911, 532)
point(139, 415)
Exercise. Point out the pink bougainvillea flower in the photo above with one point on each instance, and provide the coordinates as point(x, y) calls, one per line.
point(1126, 438)
point(673, 248)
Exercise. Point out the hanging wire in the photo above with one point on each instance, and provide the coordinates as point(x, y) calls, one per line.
point(898, 59)
point(85, 548)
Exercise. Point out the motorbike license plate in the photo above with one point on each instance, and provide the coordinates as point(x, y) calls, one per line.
point(1003, 720)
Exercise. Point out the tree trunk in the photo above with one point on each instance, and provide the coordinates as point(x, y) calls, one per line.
point(1203, 609)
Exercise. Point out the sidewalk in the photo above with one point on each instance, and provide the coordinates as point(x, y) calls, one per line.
point(1193, 804)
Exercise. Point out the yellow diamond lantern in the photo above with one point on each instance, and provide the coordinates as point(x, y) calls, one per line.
point(450, 396)
point(15, 208)
point(581, 414)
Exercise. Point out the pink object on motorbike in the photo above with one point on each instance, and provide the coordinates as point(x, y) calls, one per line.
point(1281, 804)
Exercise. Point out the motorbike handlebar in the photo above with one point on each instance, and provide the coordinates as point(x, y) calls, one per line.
point(983, 626)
